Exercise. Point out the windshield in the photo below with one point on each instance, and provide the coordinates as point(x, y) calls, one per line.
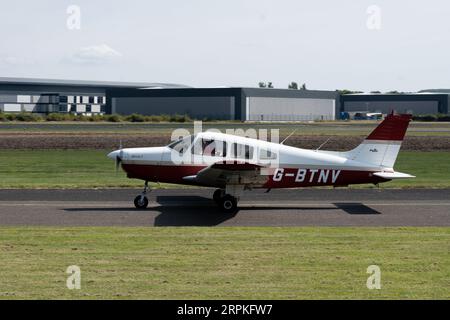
point(182, 145)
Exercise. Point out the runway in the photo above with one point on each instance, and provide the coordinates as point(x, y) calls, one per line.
point(193, 207)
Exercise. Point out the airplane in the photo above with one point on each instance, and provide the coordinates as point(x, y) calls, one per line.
point(232, 164)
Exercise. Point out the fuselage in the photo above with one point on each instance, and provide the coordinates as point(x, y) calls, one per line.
point(279, 166)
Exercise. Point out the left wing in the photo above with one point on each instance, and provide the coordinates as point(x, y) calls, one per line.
point(225, 173)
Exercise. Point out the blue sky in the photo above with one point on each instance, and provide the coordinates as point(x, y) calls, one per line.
point(208, 43)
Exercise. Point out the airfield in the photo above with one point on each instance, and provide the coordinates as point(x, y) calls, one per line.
point(193, 207)
point(62, 204)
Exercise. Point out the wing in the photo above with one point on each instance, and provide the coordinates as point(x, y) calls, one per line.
point(221, 174)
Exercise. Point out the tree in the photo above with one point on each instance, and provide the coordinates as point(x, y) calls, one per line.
point(293, 85)
point(346, 91)
point(265, 85)
point(303, 87)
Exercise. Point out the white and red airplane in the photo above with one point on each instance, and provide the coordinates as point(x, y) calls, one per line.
point(233, 164)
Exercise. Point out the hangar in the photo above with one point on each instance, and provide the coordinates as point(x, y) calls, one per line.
point(246, 104)
point(51, 95)
point(413, 103)
point(223, 103)
point(226, 103)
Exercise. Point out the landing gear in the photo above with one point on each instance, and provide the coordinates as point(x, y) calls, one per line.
point(226, 202)
point(141, 201)
point(219, 193)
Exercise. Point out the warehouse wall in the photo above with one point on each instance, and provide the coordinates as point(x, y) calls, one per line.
point(289, 109)
point(195, 107)
point(47, 103)
point(414, 107)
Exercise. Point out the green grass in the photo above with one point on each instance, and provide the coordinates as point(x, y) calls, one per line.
point(60, 169)
point(92, 169)
point(225, 263)
point(432, 169)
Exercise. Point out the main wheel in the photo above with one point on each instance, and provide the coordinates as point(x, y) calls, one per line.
point(141, 202)
point(217, 195)
point(228, 204)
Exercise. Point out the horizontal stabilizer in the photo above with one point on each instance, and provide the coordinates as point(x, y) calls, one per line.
point(393, 175)
point(190, 178)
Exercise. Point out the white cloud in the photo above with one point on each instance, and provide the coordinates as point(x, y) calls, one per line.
point(94, 55)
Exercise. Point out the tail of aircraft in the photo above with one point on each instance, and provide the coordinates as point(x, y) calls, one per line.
point(381, 147)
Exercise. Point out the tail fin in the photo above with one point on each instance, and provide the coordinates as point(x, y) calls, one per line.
point(381, 147)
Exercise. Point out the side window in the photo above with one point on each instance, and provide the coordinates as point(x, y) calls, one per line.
point(241, 151)
point(214, 148)
point(265, 154)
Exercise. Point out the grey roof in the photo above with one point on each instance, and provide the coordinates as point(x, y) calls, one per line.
point(447, 91)
point(106, 84)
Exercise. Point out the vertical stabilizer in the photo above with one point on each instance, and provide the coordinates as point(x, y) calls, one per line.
point(381, 147)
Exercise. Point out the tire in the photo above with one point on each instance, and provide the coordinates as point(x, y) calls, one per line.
point(228, 204)
point(141, 202)
point(217, 195)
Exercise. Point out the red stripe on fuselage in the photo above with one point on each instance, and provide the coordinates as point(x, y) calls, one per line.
point(278, 178)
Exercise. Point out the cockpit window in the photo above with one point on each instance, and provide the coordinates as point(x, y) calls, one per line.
point(182, 145)
point(210, 147)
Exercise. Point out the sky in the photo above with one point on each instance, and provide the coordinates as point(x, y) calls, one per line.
point(358, 45)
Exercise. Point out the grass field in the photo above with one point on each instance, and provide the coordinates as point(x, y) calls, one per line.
point(225, 263)
point(92, 169)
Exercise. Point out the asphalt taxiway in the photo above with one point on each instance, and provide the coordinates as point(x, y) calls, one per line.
point(193, 207)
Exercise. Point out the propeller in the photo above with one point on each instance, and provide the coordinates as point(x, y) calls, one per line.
point(118, 162)
point(119, 157)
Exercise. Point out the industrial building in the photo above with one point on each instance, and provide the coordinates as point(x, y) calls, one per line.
point(246, 104)
point(98, 97)
point(227, 103)
point(413, 103)
point(49, 96)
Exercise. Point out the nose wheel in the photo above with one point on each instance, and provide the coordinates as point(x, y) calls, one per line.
point(141, 201)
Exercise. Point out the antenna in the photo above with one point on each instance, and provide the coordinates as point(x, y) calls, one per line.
point(323, 144)
point(282, 142)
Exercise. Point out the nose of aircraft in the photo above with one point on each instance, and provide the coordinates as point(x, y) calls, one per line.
point(113, 155)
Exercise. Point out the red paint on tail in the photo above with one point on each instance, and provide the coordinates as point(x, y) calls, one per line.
point(392, 128)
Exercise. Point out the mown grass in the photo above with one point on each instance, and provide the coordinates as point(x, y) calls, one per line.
point(92, 169)
point(225, 263)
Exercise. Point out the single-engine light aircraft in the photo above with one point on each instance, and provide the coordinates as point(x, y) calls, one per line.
point(233, 164)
